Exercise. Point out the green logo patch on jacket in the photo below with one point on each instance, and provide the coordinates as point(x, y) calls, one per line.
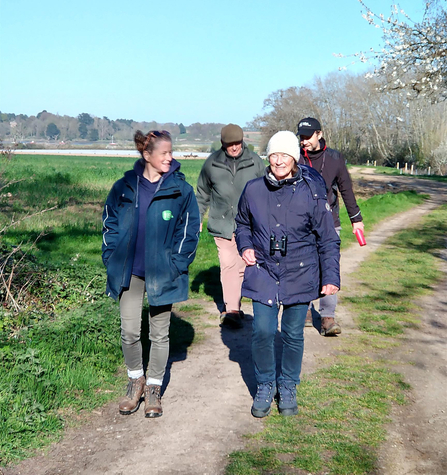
point(167, 214)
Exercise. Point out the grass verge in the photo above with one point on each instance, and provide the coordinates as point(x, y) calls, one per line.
point(345, 404)
point(55, 368)
point(376, 209)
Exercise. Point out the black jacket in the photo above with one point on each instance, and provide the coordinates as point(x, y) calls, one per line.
point(331, 165)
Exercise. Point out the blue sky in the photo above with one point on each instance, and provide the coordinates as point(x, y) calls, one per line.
point(174, 61)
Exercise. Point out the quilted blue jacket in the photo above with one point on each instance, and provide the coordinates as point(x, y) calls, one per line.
point(297, 208)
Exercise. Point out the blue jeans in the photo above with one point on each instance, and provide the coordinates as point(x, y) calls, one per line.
point(265, 327)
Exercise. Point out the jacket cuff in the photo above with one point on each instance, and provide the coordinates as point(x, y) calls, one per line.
point(357, 218)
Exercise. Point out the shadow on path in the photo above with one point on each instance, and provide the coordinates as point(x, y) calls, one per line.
point(209, 281)
point(239, 344)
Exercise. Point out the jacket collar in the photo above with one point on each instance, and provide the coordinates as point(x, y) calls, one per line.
point(222, 157)
point(229, 157)
point(306, 174)
point(132, 176)
point(316, 154)
point(280, 183)
point(139, 168)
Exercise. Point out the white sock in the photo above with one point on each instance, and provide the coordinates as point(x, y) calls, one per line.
point(135, 374)
point(158, 382)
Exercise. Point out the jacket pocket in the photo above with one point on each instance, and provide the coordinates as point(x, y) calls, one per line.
point(174, 269)
point(305, 272)
point(174, 272)
point(256, 279)
point(124, 199)
point(217, 221)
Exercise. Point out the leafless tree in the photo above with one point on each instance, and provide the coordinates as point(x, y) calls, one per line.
point(439, 159)
point(104, 128)
point(357, 117)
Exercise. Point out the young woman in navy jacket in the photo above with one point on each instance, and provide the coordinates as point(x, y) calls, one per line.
point(150, 234)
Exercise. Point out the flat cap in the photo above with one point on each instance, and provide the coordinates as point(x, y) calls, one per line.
point(231, 133)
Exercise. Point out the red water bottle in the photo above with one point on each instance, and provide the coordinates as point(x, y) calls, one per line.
point(360, 237)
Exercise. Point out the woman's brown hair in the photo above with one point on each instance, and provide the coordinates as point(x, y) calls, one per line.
point(149, 141)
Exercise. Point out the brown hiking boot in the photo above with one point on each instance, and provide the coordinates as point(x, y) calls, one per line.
point(329, 327)
point(308, 322)
point(135, 389)
point(152, 400)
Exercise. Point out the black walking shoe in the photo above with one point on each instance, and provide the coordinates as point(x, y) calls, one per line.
point(287, 398)
point(263, 399)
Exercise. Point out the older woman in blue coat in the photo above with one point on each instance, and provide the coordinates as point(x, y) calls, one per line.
point(285, 234)
point(150, 235)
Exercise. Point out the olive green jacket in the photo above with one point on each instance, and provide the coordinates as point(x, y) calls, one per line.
point(220, 185)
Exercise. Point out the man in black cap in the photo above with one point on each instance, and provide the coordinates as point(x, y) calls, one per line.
point(221, 181)
point(331, 165)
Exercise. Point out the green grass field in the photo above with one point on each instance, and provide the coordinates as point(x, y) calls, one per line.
point(60, 346)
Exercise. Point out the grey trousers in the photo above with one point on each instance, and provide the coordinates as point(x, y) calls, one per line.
point(328, 303)
point(131, 306)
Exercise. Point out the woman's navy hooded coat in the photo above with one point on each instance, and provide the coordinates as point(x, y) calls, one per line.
point(296, 208)
point(171, 238)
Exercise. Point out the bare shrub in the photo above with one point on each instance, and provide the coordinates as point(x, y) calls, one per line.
point(439, 159)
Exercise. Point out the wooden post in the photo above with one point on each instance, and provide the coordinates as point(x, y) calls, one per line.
point(375, 163)
point(412, 169)
point(397, 165)
point(429, 169)
point(406, 167)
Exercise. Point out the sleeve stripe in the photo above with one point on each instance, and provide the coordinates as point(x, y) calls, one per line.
point(350, 217)
point(105, 227)
point(197, 244)
point(184, 233)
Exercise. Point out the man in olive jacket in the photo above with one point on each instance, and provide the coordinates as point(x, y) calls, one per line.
point(221, 181)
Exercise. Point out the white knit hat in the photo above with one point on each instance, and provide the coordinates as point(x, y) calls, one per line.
point(284, 142)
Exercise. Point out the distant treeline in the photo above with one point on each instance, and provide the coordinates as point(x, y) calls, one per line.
point(46, 126)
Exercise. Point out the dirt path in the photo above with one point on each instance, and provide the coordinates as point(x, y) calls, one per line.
point(416, 441)
point(207, 402)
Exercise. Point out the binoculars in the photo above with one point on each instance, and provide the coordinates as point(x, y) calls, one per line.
point(278, 245)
